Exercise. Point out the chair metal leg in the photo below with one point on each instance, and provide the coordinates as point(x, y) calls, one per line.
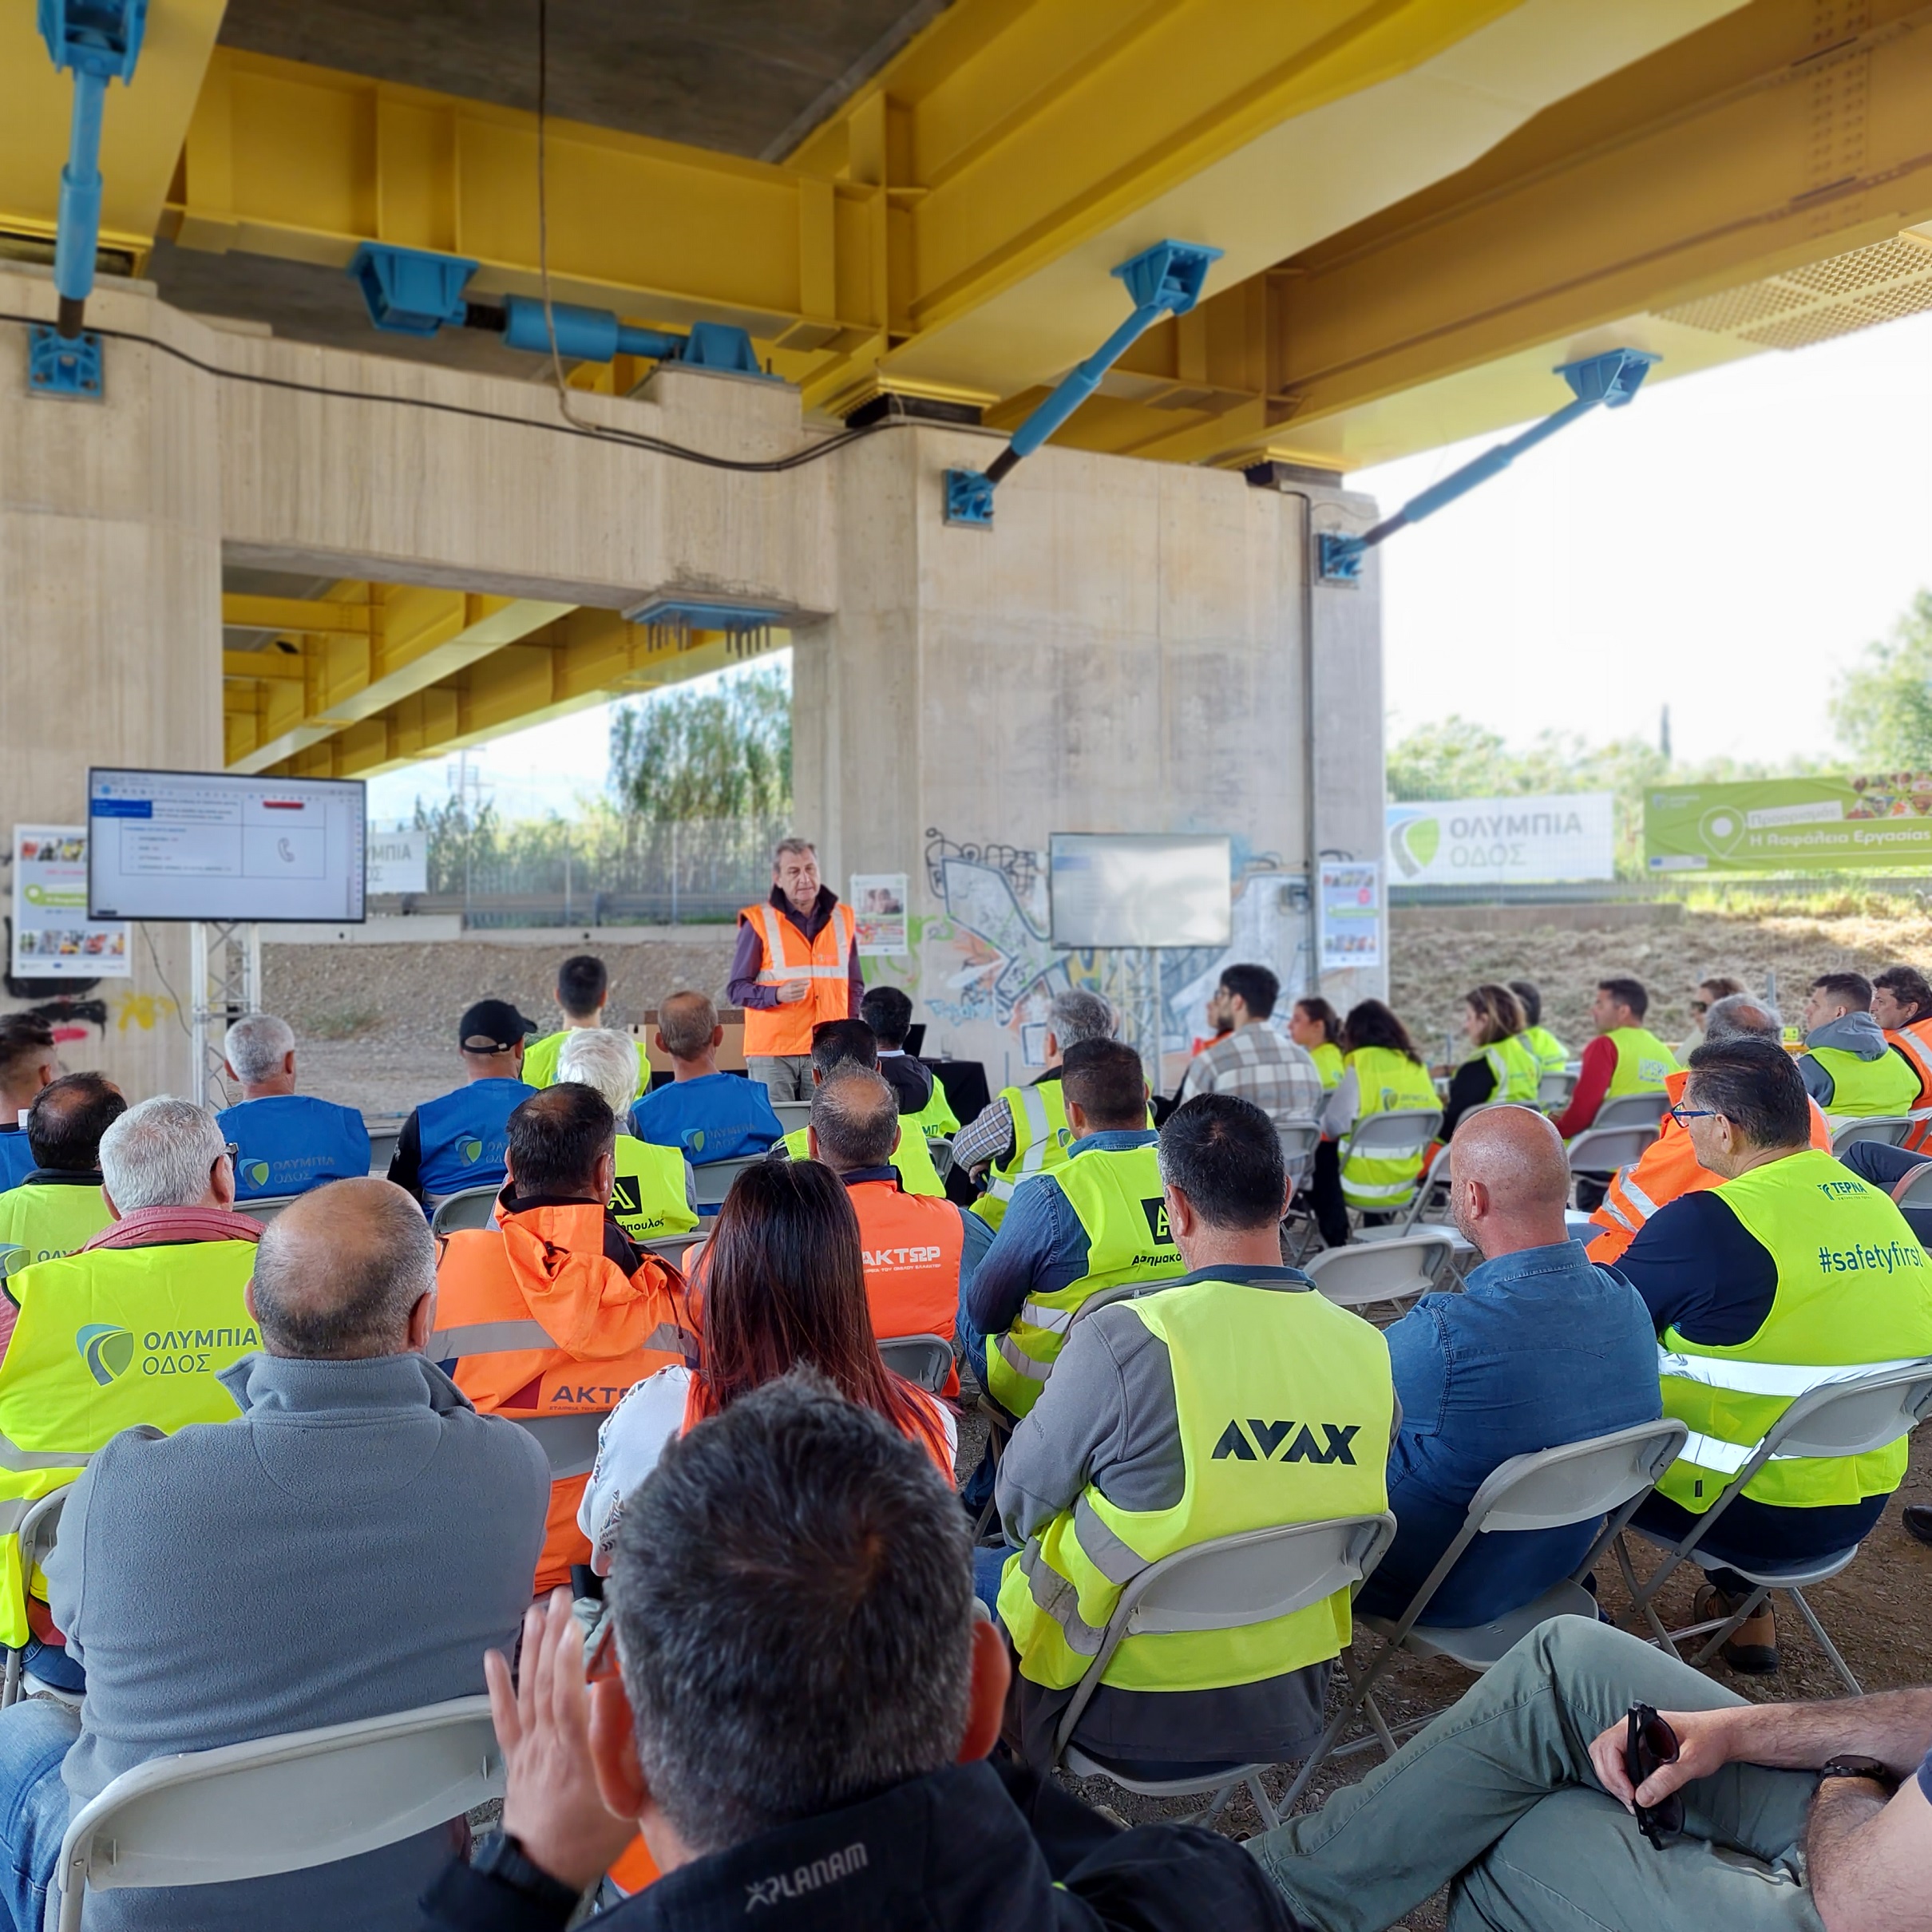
point(1724, 1630)
point(9, 1689)
point(1643, 1595)
point(1389, 1746)
point(1829, 1649)
point(1258, 1793)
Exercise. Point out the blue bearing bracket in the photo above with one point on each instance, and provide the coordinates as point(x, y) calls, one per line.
point(1611, 379)
point(1164, 280)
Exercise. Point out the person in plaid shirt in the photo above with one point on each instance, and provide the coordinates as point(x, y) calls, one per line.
point(1254, 1060)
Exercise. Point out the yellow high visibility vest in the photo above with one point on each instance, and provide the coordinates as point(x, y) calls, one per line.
point(1386, 1082)
point(42, 1220)
point(1327, 1059)
point(1284, 1403)
point(912, 1159)
point(648, 1197)
point(1854, 1293)
point(105, 1341)
point(1643, 1062)
point(1887, 1085)
point(1041, 1138)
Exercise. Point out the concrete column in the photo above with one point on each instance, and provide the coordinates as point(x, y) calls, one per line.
point(110, 621)
point(1123, 651)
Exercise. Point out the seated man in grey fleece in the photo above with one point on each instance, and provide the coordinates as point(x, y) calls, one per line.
point(349, 1545)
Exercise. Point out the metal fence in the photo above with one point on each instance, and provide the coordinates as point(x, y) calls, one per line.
point(697, 873)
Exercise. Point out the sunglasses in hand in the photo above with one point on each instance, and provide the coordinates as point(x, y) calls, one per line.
point(1649, 1743)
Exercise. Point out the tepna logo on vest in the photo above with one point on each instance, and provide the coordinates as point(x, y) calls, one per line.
point(1156, 1211)
point(257, 1172)
point(470, 1151)
point(108, 1352)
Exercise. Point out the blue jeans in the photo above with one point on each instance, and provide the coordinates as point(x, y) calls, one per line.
point(52, 1664)
point(987, 1565)
point(35, 1736)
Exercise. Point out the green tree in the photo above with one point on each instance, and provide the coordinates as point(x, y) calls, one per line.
point(725, 754)
point(1882, 710)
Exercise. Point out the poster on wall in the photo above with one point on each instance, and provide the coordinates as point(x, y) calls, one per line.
point(54, 939)
point(1502, 842)
point(1350, 916)
point(878, 903)
point(1791, 824)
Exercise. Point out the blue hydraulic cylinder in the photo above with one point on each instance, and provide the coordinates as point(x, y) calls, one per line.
point(583, 335)
point(100, 40)
point(1610, 379)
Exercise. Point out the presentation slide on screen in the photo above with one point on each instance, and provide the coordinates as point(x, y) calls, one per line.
point(187, 845)
point(1135, 889)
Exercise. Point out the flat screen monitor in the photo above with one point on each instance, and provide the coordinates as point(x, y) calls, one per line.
point(209, 845)
point(1132, 888)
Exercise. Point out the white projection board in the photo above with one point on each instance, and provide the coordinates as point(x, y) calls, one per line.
point(199, 845)
point(1132, 888)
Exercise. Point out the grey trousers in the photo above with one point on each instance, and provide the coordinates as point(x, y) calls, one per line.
point(787, 1076)
point(1499, 1796)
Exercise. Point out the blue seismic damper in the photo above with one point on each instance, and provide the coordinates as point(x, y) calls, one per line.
point(411, 291)
point(100, 40)
point(1611, 379)
point(1163, 280)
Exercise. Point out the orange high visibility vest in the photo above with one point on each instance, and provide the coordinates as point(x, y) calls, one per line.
point(535, 1323)
point(822, 962)
point(912, 1244)
point(1667, 1168)
point(1915, 1042)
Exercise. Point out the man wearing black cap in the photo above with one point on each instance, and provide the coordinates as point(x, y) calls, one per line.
point(457, 1141)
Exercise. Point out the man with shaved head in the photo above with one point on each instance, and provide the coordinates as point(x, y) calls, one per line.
point(348, 1544)
point(1541, 1348)
point(920, 1253)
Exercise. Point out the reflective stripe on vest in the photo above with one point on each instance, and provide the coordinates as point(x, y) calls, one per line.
point(1860, 1087)
point(1549, 1052)
point(1115, 1194)
point(1820, 1225)
point(1265, 1375)
point(106, 1341)
point(1917, 1048)
point(1644, 1063)
point(1043, 1145)
point(1513, 1070)
point(912, 1161)
point(824, 971)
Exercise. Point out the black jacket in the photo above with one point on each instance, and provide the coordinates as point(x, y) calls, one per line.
point(953, 1852)
point(910, 1079)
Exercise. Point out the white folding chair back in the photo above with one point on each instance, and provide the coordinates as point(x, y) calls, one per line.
point(926, 1360)
point(1554, 1089)
point(1363, 1273)
point(382, 1138)
point(265, 1207)
point(712, 1180)
point(1918, 1190)
point(34, 1538)
point(1602, 1151)
point(939, 1146)
point(1632, 1110)
point(278, 1803)
point(1889, 1130)
point(1229, 1584)
point(473, 1207)
point(680, 1250)
point(1396, 1136)
point(793, 1114)
point(1299, 1140)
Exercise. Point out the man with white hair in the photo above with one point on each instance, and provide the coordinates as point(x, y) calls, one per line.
point(134, 1330)
point(654, 1193)
point(285, 1142)
point(345, 1542)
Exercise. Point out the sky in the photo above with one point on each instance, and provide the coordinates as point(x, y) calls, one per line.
point(1724, 545)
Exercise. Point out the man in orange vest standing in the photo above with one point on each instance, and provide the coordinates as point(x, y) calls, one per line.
point(548, 1318)
point(921, 1251)
point(1902, 1003)
point(797, 964)
point(1670, 1166)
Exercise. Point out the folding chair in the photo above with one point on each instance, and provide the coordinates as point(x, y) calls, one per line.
point(680, 1250)
point(1366, 1272)
point(1632, 1110)
point(382, 1143)
point(472, 1207)
point(278, 1803)
point(34, 1537)
point(1604, 1476)
point(1918, 1192)
point(926, 1360)
point(1299, 1140)
point(1554, 1090)
point(1225, 1584)
point(1889, 1129)
point(793, 1114)
point(1402, 1134)
point(1857, 1411)
point(1598, 1153)
point(712, 1180)
point(941, 1148)
point(265, 1207)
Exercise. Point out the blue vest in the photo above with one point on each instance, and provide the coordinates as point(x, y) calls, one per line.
point(290, 1143)
point(16, 1157)
point(719, 1117)
point(464, 1133)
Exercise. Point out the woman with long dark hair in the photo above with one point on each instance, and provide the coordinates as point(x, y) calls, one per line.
point(781, 1282)
point(1381, 1073)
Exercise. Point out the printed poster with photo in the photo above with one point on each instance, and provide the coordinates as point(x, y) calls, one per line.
point(878, 904)
point(1350, 916)
point(54, 939)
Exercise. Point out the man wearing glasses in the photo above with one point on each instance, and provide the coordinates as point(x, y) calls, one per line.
point(1788, 1272)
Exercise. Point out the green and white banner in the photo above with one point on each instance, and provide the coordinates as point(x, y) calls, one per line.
point(1502, 841)
point(1879, 819)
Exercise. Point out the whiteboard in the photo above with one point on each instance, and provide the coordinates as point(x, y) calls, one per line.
point(1134, 889)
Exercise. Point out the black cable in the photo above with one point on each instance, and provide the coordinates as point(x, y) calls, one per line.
point(155, 959)
point(657, 446)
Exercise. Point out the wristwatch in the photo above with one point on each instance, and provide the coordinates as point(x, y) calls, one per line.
point(1855, 1766)
point(504, 1859)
